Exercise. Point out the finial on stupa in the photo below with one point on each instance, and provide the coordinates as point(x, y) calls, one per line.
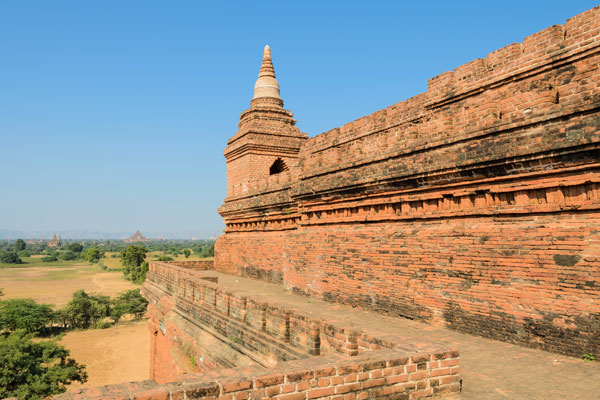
point(266, 84)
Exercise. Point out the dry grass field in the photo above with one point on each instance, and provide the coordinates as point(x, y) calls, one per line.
point(117, 354)
point(54, 283)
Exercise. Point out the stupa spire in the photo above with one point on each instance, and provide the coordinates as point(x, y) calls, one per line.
point(266, 85)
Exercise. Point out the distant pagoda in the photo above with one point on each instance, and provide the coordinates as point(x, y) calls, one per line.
point(136, 237)
point(55, 241)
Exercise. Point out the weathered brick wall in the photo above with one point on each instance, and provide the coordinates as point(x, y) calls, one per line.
point(198, 327)
point(259, 255)
point(383, 374)
point(196, 265)
point(529, 279)
point(476, 203)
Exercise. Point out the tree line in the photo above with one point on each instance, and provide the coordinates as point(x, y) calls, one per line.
point(83, 311)
point(94, 250)
point(34, 368)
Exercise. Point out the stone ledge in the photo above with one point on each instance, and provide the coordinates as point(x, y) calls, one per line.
point(376, 374)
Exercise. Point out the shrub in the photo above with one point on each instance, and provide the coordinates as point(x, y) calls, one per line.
point(85, 310)
point(24, 253)
point(10, 257)
point(49, 259)
point(93, 255)
point(68, 255)
point(75, 247)
point(130, 302)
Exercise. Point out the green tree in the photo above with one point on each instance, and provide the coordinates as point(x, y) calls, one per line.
point(20, 245)
point(118, 309)
point(134, 267)
point(187, 252)
point(93, 255)
point(24, 314)
point(84, 310)
point(34, 370)
point(68, 255)
point(10, 257)
point(130, 302)
point(24, 253)
point(62, 318)
point(75, 247)
point(208, 250)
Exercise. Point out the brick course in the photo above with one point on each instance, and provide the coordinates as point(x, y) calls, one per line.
point(475, 204)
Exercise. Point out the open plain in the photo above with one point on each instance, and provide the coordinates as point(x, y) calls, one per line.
point(55, 283)
point(116, 354)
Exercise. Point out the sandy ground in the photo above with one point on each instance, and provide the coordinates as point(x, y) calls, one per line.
point(55, 285)
point(114, 355)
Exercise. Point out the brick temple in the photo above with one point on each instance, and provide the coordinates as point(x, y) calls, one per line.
point(473, 206)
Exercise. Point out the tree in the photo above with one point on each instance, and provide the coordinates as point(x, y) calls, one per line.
point(35, 370)
point(134, 267)
point(68, 255)
point(130, 302)
point(24, 253)
point(24, 314)
point(133, 256)
point(84, 310)
point(10, 257)
point(208, 250)
point(93, 255)
point(20, 245)
point(62, 318)
point(187, 252)
point(75, 247)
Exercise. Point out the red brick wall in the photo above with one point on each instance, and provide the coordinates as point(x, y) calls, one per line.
point(198, 327)
point(530, 279)
point(382, 374)
point(259, 255)
point(476, 203)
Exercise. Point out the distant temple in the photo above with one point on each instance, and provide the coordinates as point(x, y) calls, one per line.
point(136, 237)
point(55, 241)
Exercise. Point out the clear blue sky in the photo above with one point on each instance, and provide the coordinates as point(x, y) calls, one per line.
point(114, 114)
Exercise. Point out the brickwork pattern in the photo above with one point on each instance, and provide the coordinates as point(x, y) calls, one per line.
point(475, 204)
point(383, 374)
point(275, 352)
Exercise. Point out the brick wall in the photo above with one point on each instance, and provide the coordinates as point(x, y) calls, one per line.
point(475, 204)
point(383, 374)
point(208, 336)
point(259, 255)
